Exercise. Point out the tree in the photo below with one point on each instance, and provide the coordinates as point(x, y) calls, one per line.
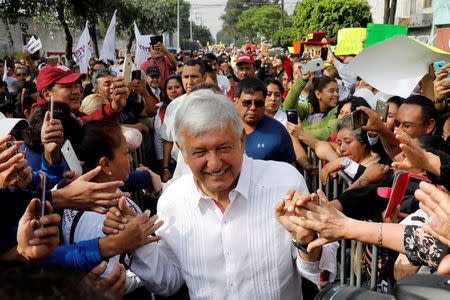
point(390, 6)
point(233, 10)
point(330, 16)
point(224, 37)
point(202, 34)
point(284, 37)
point(12, 11)
point(261, 21)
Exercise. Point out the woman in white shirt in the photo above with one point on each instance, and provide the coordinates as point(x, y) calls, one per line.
point(274, 98)
point(103, 145)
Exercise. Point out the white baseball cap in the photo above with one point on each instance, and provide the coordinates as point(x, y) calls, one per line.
point(8, 124)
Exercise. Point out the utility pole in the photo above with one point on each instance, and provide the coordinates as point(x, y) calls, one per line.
point(178, 25)
point(190, 21)
point(282, 14)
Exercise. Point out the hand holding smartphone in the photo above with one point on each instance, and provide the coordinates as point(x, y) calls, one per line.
point(439, 65)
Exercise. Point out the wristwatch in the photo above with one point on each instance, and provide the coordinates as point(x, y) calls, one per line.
point(303, 247)
point(345, 162)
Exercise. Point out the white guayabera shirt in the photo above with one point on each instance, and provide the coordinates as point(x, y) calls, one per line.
point(241, 253)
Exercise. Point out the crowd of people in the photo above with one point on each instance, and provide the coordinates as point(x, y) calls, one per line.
point(231, 214)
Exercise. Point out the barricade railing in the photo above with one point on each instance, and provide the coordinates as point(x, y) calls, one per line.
point(332, 190)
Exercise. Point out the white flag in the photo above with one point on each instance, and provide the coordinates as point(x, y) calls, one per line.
point(136, 30)
point(108, 44)
point(5, 72)
point(142, 47)
point(84, 50)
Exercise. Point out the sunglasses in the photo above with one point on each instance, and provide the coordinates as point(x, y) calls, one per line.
point(21, 74)
point(248, 103)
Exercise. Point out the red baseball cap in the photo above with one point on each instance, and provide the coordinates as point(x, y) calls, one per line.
point(56, 74)
point(245, 58)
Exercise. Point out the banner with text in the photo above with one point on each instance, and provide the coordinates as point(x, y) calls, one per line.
point(84, 51)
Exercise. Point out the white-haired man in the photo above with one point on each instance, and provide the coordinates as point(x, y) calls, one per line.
point(220, 235)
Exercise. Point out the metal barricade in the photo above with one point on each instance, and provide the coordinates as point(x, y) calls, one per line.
point(333, 188)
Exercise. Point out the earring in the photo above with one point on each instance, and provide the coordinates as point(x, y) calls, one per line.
point(109, 173)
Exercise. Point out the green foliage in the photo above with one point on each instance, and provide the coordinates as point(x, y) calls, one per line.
point(224, 37)
point(284, 37)
point(261, 21)
point(234, 9)
point(202, 34)
point(330, 16)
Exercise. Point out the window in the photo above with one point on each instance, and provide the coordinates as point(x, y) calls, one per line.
point(427, 3)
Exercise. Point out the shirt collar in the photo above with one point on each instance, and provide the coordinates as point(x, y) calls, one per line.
point(242, 186)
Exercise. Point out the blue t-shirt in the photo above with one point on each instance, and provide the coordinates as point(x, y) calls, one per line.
point(270, 141)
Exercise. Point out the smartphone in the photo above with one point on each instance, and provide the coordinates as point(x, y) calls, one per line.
point(292, 116)
point(137, 74)
point(439, 65)
point(51, 107)
point(312, 66)
point(43, 200)
point(382, 110)
point(155, 40)
point(127, 70)
point(265, 49)
point(71, 158)
point(359, 119)
point(324, 53)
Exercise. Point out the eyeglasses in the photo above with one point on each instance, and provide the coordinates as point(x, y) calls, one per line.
point(21, 74)
point(248, 103)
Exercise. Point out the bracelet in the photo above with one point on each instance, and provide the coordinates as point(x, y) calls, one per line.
point(380, 234)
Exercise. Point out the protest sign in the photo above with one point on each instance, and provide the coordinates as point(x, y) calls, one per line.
point(84, 51)
point(142, 47)
point(395, 66)
point(349, 41)
point(108, 44)
point(380, 32)
point(33, 45)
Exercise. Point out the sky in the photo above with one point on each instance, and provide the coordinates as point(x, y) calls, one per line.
point(208, 12)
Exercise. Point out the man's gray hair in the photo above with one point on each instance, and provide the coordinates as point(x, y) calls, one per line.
point(99, 74)
point(204, 110)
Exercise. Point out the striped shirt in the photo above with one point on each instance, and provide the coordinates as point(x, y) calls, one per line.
point(241, 253)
